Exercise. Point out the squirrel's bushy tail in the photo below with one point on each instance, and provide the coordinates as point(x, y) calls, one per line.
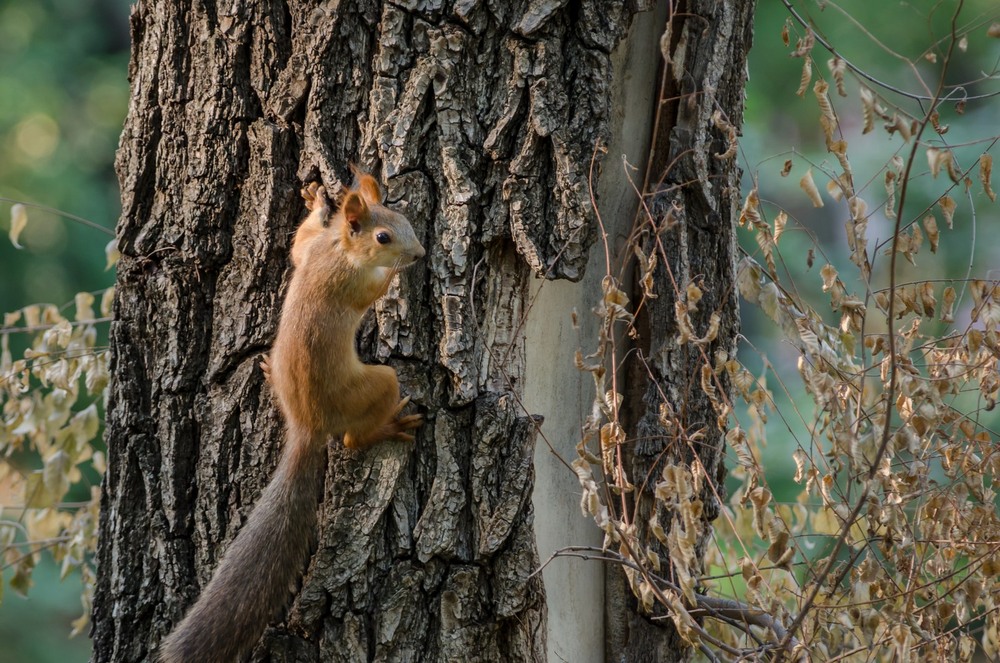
point(257, 573)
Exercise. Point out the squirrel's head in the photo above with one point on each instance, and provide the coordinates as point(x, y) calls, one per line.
point(372, 234)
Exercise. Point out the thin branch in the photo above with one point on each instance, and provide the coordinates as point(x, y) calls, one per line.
point(58, 212)
point(727, 610)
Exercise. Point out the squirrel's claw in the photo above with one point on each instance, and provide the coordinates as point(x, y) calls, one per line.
point(315, 196)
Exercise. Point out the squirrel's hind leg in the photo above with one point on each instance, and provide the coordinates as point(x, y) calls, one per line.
point(384, 386)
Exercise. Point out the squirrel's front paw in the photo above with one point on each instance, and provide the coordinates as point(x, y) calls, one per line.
point(398, 425)
point(315, 196)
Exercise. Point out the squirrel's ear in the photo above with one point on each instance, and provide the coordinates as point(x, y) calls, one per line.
point(367, 185)
point(355, 209)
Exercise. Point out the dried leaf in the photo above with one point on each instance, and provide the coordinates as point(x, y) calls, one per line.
point(21, 582)
point(935, 119)
point(779, 225)
point(839, 187)
point(870, 109)
point(787, 168)
point(804, 44)
point(901, 125)
point(807, 73)
point(837, 68)
point(760, 497)
point(107, 301)
point(723, 125)
point(985, 174)
point(829, 274)
point(828, 119)
point(809, 186)
point(927, 301)
point(936, 158)
point(779, 543)
point(111, 254)
point(750, 214)
point(18, 220)
point(890, 192)
point(799, 456)
point(993, 31)
point(947, 205)
point(84, 306)
point(694, 295)
point(931, 228)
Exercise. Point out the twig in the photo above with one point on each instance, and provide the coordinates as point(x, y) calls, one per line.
point(58, 212)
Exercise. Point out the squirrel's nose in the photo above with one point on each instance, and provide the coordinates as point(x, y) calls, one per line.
point(418, 253)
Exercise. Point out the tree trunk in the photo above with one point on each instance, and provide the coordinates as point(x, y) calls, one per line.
point(481, 119)
point(693, 185)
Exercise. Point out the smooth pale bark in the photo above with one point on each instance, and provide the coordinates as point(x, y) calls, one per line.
point(481, 119)
point(575, 588)
point(707, 46)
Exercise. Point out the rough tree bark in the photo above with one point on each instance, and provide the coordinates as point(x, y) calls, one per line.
point(694, 201)
point(481, 118)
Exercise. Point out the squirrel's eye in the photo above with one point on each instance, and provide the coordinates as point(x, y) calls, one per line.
point(383, 237)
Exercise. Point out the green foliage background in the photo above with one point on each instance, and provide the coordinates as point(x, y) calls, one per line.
point(63, 97)
point(780, 125)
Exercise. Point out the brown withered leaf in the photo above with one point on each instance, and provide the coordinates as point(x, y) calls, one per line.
point(723, 125)
point(787, 168)
point(839, 187)
point(890, 192)
point(867, 109)
point(986, 174)
point(829, 274)
point(935, 119)
point(807, 74)
point(750, 214)
point(901, 125)
point(779, 225)
point(938, 158)
point(18, 220)
point(947, 205)
point(828, 119)
point(804, 44)
point(993, 31)
point(931, 228)
point(837, 68)
point(927, 300)
point(809, 186)
point(948, 305)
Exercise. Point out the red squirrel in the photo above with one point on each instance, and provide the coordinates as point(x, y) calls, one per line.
point(322, 389)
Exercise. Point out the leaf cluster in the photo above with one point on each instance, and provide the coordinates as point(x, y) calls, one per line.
point(890, 547)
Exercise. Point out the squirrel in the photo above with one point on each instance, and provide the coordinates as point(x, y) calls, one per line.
point(322, 389)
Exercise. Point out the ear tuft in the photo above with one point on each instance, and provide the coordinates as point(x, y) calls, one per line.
point(367, 185)
point(370, 189)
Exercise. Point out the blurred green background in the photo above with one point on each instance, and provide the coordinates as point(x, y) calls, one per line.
point(64, 93)
point(63, 97)
point(882, 39)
